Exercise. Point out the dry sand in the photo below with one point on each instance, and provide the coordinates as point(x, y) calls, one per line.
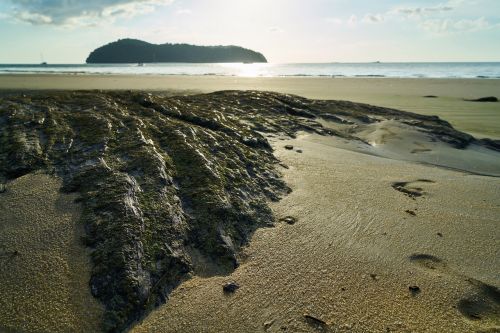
point(480, 119)
point(44, 268)
point(354, 251)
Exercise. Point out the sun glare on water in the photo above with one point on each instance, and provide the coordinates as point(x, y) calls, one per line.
point(249, 70)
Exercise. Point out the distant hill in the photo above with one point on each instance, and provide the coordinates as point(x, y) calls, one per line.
point(137, 51)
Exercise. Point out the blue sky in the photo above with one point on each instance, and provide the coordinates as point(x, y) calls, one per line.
point(65, 31)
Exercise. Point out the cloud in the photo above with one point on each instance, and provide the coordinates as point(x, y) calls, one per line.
point(405, 12)
point(444, 7)
point(433, 20)
point(418, 11)
point(373, 18)
point(353, 20)
point(448, 26)
point(34, 18)
point(78, 12)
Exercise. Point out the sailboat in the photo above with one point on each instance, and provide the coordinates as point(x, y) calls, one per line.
point(43, 63)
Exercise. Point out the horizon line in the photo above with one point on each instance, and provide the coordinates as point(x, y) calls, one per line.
point(267, 63)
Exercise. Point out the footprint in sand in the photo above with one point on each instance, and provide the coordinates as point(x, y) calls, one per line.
point(481, 304)
point(412, 189)
point(428, 261)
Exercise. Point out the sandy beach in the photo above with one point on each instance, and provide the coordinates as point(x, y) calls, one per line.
point(355, 251)
point(228, 166)
point(479, 119)
point(393, 216)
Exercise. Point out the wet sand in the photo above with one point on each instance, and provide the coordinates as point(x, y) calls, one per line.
point(479, 119)
point(382, 242)
point(362, 257)
point(44, 268)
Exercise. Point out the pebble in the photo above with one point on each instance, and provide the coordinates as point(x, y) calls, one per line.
point(346, 327)
point(289, 147)
point(230, 287)
point(268, 324)
point(315, 321)
point(484, 99)
point(411, 212)
point(415, 290)
point(289, 220)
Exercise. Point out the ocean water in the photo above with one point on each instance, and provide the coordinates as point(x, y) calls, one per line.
point(395, 70)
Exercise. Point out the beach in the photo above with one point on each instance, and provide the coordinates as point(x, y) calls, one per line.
point(249, 166)
point(354, 253)
point(390, 224)
point(479, 119)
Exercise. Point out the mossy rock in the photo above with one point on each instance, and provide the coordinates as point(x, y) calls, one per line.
point(158, 176)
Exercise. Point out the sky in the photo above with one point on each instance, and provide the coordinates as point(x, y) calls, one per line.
point(66, 31)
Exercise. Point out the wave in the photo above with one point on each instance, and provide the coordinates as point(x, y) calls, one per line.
point(370, 75)
point(18, 71)
point(487, 77)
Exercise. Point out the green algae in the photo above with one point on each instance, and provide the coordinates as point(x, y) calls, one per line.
point(159, 176)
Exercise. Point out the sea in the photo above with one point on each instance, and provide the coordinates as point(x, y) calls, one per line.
point(483, 70)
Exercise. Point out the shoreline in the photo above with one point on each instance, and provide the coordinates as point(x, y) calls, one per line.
point(324, 76)
point(242, 77)
point(407, 94)
point(41, 84)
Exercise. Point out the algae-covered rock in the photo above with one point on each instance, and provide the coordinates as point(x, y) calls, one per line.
point(156, 176)
point(163, 178)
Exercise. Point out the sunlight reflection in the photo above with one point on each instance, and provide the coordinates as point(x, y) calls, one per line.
point(249, 70)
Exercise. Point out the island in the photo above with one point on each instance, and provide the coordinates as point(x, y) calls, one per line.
point(137, 51)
